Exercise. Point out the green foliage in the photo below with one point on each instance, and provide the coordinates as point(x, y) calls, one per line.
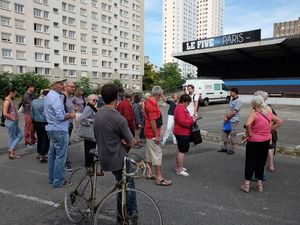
point(20, 81)
point(170, 77)
point(150, 77)
point(84, 84)
point(118, 83)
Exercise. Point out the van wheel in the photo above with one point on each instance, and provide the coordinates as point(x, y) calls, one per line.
point(227, 99)
point(206, 102)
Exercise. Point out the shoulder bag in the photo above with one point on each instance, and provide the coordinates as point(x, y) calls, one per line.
point(196, 134)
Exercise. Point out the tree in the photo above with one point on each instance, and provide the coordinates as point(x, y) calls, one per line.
point(84, 85)
point(118, 83)
point(170, 77)
point(4, 82)
point(150, 77)
point(20, 81)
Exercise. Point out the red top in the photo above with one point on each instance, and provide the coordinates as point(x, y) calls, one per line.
point(125, 108)
point(152, 112)
point(183, 121)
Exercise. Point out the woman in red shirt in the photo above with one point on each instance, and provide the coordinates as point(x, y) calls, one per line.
point(182, 130)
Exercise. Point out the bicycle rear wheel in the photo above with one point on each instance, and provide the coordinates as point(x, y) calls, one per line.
point(146, 212)
point(78, 196)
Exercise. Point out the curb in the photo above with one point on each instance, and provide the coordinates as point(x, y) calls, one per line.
point(281, 148)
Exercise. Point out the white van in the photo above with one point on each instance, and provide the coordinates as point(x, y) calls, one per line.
point(210, 90)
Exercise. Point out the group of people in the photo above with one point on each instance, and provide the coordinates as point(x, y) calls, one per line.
point(130, 121)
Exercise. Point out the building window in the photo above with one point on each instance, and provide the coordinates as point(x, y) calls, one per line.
point(72, 73)
point(38, 42)
point(20, 39)
point(64, 6)
point(20, 24)
point(94, 15)
point(65, 59)
point(19, 8)
point(72, 60)
point(37, 12)
point(55, 10)
point(83, 62)
point(46, 15)
point(56, 51)
point(21, 69)
point(47, 71)
point(47, 57)
point(94, 51)
point(20, 55)
point(47, 43)
point(71, 8)
point(46, 29)
point(94, 39)
point(95, 74)
point(94, 27)
point(72, 34)
point(39, 70)
point(6, 53)
point(4, 4)
point(6, 37)
point(5, 21)
point(71, 21)
point(65, 46)
point(37, 27)
point(83, 37)
point(72, 47)
point(64, 19)
point(83, 12)
point(83, 49)
point(83, 24)
point(94, 62)
point(39, 56)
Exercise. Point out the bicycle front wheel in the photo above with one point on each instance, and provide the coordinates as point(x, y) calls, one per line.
point(143, 210)
point(78, 196)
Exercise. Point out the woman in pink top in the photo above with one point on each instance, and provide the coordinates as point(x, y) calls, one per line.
point(182, 131)
point(260, 123)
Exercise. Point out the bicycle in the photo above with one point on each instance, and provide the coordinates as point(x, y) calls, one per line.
point(114, 208)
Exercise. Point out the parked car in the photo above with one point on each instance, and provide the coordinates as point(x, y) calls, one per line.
point(210, 90)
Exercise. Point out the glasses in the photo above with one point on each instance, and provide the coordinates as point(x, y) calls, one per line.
point(95, 100)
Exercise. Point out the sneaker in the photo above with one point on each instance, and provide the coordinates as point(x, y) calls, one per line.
point(64, 185)
point(163, 142)
point(230, 152)
point(184, 169)
point(68, 168)
point(175, 142)
point(223, 150)
point(30, 146)
point(183, 173)
point(43, 159)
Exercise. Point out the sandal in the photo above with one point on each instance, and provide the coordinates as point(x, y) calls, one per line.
point(12, 155)
point(150, 177)
point(259, 188)
point(163, 182)
point(245, 188)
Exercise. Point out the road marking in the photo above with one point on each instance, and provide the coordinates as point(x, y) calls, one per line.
point(31, 198)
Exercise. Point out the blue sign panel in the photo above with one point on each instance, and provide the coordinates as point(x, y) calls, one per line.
point(230, 39)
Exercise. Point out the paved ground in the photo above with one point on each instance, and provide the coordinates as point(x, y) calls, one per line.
point(209, 196)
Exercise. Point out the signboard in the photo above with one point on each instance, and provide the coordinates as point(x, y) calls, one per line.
point(229, 39)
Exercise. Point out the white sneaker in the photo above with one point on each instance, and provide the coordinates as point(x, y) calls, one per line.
point(184, 169)
point(163, 142)
point(175, 142)
point(183, 173)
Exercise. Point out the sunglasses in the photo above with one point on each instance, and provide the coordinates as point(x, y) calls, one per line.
point(95, 100)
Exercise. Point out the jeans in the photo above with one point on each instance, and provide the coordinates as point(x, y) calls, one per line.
point(130, 196)
point(14, 133)
point(29, 132)
point(57, 154)
point(43, 141)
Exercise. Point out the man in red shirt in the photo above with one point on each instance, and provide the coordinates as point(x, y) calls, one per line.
point(153, 122)
point(126, 110)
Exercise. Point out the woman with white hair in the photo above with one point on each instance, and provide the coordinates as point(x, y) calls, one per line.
point(260, 123)
point(86, 119)
point(272, 147)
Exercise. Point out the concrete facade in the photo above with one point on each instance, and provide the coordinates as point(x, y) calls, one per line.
point(189, 20)
point(286, 29)
point(99, 39)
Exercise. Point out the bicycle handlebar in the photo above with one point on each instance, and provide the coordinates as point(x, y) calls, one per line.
point(140, 166)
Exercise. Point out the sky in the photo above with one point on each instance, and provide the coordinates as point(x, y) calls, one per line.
point(239, 15)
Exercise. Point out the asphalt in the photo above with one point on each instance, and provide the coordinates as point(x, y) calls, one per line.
point(210, 195)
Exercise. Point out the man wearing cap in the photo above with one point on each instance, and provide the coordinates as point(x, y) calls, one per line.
point(57, 130)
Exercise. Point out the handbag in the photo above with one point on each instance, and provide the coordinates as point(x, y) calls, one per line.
point(21, 109)
point(87, 132)
point(227, 126)
point(196, 134)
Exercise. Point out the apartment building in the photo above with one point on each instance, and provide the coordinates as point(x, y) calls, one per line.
point(287, 28)
point(189, 20)
point(99, 39)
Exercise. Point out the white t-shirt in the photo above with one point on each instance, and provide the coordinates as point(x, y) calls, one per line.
point(191, 106)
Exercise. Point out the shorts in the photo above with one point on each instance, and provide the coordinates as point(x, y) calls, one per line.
point(183, 143)
point(153, 152)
